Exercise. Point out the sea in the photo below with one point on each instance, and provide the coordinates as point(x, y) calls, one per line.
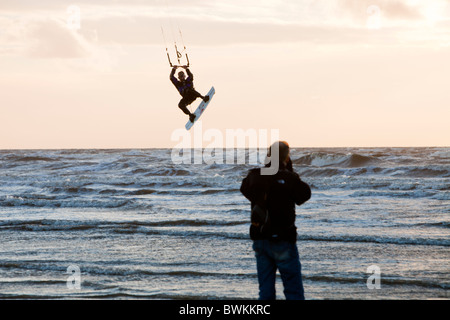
point(135, 224)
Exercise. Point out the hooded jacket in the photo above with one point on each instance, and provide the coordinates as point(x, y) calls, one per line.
point(280, 192)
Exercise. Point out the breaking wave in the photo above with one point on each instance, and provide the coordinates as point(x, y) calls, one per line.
point(322, 159)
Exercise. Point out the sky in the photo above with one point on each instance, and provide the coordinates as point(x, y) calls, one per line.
point(329, 73)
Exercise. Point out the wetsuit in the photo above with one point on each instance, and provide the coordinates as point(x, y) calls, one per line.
point(186, 90)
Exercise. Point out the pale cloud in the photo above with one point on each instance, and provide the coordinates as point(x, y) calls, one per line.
point(53, 39)
point(41, 38)
point(213, 22)
point(392, 9)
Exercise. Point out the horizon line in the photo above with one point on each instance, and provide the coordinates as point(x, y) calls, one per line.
point(237, 148)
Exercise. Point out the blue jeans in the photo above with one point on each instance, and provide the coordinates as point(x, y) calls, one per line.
point(281, 255)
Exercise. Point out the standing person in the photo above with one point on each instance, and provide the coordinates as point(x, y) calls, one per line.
point(273, 231)
point(185, 87)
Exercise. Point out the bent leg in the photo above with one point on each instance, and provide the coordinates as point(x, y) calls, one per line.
point(183, 106)
point(188, 98)
point(199, 95)
point(194, 94)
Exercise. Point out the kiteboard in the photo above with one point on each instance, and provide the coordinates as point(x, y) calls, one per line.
point(200, 109)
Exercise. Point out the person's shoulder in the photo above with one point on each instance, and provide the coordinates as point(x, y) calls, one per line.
point(254, 171)
point(173, 79)
point(289, 174)
point(254, 175)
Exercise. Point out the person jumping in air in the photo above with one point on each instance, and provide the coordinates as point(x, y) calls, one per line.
point(185, 87)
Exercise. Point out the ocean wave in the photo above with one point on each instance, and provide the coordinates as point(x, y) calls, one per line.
point(100, 196)
point(442, 196)
point(428, 172)
point(325, 163)
point(142, 192)
point(72, 190)
point(48, 225)
point(111, 226)
point(389, 193)
point(401, 172)
point(24, 158)
point(119, 269)
point(181, 191)
point(202, 229)
point(389, 280)
point(322, 172)
point(178, 223)
point(124, 270)
point(69, 202)
point(322, 159)
point(376, 239)
point(441, 224)
point(162, 172)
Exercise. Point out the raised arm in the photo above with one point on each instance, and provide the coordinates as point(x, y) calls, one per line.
point(190, 75)
point(172, 76)
point(302, 191)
